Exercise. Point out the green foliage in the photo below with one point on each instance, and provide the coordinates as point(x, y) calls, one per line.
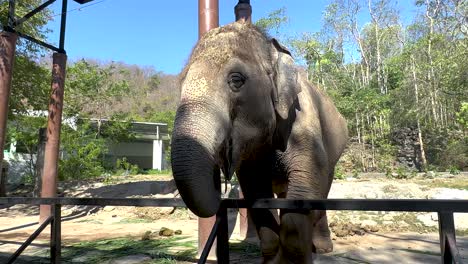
point(462, 115)
point(123, 167)
point(105, 250)
point(92, 90)
point(82, 153)
point(35, 26)
point(339, 173)
point(167, 117)
point(273, 21)
point(157, 172)
point(401, 173)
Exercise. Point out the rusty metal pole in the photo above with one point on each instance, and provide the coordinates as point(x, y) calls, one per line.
point(51, 153)
point(54, 122)
point(208, 18)
point(7, 56)
point(243, 11)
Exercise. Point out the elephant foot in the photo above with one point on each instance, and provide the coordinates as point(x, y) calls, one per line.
point(322, 244)
point(269, 244)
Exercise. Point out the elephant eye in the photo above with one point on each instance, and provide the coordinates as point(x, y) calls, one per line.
point(235, 81)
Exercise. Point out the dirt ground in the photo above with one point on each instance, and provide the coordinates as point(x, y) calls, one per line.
point(379, 237)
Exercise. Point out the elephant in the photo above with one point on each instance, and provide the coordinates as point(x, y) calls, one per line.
point(246, 108)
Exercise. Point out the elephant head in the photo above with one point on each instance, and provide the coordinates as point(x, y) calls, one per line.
point(237, 90)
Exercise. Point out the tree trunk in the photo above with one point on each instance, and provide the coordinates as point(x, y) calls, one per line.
point(416, 94)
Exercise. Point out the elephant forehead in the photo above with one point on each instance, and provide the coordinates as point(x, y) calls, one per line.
point(216, 54)
point(195, 86)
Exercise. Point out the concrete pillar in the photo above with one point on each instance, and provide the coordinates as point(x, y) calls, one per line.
point(51, 152)
point(157, 154)
point(7, 57)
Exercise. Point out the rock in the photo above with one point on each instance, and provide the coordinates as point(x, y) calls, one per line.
point(132, 259)
point(164, 231)
point(109, 208)
point(341, 232)
point(178, 232)
point(388, 217)
point(148, 235)
point(430, 174)
point(368, 223)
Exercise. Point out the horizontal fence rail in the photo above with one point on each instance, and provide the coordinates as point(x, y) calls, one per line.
point(409, 205)
point(444, 208)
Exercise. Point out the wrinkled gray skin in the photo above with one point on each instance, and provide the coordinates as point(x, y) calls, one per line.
point(246, 108)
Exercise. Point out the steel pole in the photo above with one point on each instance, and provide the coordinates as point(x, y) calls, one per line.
point(243, 11)
point(51, 153)
point(208, 18)
point(7, 56)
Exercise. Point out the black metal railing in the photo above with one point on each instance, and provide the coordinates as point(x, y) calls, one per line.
point(444, 208)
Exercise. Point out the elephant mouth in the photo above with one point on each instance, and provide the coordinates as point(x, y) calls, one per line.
point(228, 162)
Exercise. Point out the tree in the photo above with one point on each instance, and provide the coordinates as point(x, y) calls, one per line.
point(273, 21)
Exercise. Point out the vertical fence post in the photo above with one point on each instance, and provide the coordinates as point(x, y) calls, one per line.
point(51, 152)
point(55, 234)
point(448, 249)
point(7, 56)
point(222, 244)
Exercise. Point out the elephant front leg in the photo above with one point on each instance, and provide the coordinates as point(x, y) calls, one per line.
point(295, 239)
point(321, 239)
point(256, 185)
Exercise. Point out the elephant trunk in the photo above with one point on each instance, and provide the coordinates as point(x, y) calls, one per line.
point(198, 135)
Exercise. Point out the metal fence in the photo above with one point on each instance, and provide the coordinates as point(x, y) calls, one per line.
point(444, 208)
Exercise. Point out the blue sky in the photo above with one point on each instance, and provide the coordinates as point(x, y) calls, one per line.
point(161, 34)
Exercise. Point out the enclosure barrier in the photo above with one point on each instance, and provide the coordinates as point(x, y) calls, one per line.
point(444, 208)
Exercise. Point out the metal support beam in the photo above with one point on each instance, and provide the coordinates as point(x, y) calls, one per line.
point(63, 24)
point(208, 16)
point(448, 246)
point(55, 235)
point(51, 153)
point(39, 42)
point(29, 240)
point(11, 15)
point(7, 56)
point(222, 244)
point(243, 11)
point(209, 242)
point(33, 12)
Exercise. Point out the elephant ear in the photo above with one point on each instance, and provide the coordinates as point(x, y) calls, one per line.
point(285, 79)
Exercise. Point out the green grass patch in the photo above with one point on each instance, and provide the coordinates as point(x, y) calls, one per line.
point(161, 250)
point(244, 248)
point(453, 183)
point(461, 232)
point(90, 221)
point(134, 221)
